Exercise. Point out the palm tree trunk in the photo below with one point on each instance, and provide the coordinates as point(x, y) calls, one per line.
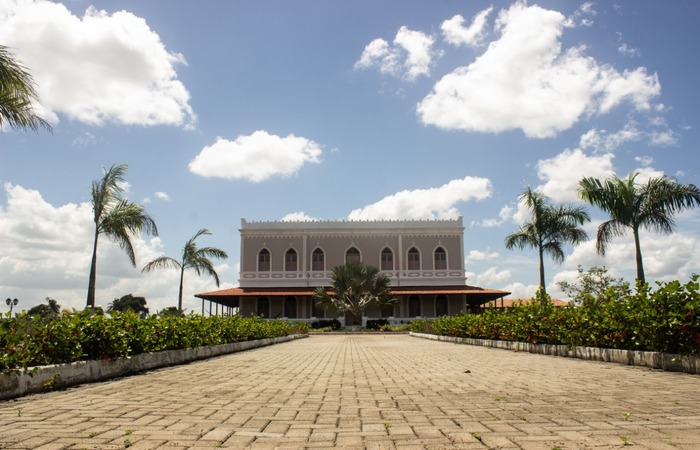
point(92, 283)
point(638, 254)
point(542, 287)
point(179, 299)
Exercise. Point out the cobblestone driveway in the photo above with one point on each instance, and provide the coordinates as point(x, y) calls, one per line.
point(368, 391)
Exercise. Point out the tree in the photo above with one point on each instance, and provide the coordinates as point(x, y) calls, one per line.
point(549, 228)
point(192, 258)
point(591, 286)
point(117, 218)
point(354, 287)
point(170, 311)
point(650, 206)
point(49, 310)
point(129, 303)
point(17, 95)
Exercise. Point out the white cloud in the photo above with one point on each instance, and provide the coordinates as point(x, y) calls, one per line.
point(454, 32)
point(582, 17)
point(39, 241)
point(503, 215)
point(602, 140)
point(97, 68)
point(409, 57)
point(520, 290)
point(433, 203)
point(299, 216)
point(489, 278)
point(563, 172)
point(162, 196)
point(477, 255)
point(526, 81)
point(626, 50)
point(256, 157)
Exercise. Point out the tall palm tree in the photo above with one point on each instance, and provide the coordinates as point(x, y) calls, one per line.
point(354, 287)
point(192, 258)
point(17, 94)
point(650, 206)
point(117, 218)
point(549, 228)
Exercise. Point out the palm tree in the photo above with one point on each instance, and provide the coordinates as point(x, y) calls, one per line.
point(117, 218)
point(549, 228)
point(354, 287)
point(17, 94)
point(630, 205)
point(192, 258)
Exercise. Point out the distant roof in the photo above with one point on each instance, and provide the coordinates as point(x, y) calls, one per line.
point(509, 302)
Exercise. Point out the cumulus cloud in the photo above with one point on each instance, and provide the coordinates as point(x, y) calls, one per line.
point(525, 80)
point(97, 68)
point(503, 215)
point(39, 241)
point(478, 255)
point(489, 278)
point(562, 173)
point(256, 157)
point(582, 17)
point(433, 203)
point(409, 56)
point(454, 32)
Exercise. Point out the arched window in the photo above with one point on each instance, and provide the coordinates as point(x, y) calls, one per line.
point(318, 260)
point(264, 307)
point(441, 305)
point(413, 259)
point(352, 255)
point(264, 260)
point(414, 306)
point(440, 259)
point(290, 307)
point(290, 260)
point(387, 259)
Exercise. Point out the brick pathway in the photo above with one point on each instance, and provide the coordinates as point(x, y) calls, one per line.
point(368, 391)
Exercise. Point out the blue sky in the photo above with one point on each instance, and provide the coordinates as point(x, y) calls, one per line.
point(332, 110)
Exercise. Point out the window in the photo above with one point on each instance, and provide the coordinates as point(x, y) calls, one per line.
point(387, 310)
point(413, 259)
point(352, 255)
point(290, 260)
point(264, 307)
point(387, 259)
point(414, 306)
point(318, 260)
point(290, 307)
point(441, 305)
point(440, 259)
point(264, 260)
point(317, 312)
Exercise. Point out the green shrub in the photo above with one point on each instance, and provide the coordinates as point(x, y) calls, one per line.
point(323, 323)
point(665, 320)
point(31, 341)
point(376, 324)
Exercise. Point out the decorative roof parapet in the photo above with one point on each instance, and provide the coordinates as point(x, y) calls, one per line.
point(308, 225)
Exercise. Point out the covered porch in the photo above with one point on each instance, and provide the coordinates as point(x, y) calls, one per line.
point(297, 304)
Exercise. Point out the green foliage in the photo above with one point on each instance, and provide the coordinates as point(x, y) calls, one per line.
point(27, 341)
point(665, 320)
point(129, 303)
point(333, 324)
point(376, 324)
point(51, 310)
point(593, 286)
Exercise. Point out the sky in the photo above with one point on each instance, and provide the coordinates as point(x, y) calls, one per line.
point(330, 110)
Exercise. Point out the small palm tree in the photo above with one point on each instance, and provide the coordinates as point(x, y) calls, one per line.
point(354, 287)
point(630, 205)
point(117, 218)
point(17, 95)
point(192, 258)
point(549, 228)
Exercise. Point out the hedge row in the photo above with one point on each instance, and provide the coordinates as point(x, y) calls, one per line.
point(33, 341)
point(664, 320)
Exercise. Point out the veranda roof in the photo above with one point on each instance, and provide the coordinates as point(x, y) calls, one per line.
point(480, 294)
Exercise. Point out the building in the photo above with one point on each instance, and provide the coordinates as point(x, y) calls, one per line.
point(282, 263)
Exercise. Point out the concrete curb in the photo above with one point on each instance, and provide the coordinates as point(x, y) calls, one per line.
point(654, 360)
point(51, 377)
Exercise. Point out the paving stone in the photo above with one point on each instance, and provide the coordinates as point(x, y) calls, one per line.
point(367, 391)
